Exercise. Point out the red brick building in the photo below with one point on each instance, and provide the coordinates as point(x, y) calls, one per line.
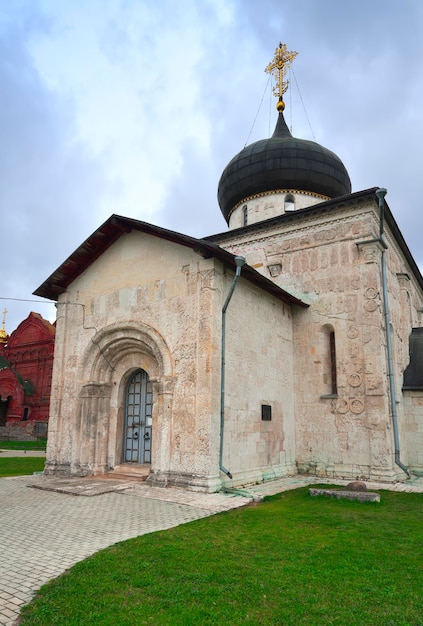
point(26, 363)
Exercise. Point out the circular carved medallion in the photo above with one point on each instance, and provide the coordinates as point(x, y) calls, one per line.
point(371, 293)
point(356, 406)
point(354, 380)
point(342, 406)
point(371, 305)
point(352, 332)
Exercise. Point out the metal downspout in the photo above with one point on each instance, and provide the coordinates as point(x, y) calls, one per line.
point(240, 261)
point(381, 193)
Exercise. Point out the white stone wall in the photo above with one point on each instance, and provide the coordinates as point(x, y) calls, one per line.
point(151, 304)
point(145, 303)
point(259, 371)
point(322, 261)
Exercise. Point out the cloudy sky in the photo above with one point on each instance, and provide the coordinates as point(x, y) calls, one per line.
point(135, 107)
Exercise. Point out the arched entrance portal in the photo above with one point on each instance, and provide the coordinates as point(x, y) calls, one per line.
point(137, 432)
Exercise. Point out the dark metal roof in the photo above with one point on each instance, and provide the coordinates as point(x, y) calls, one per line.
point(281, 162)
point(115, 226)
point(413, 374)
point(327, 207)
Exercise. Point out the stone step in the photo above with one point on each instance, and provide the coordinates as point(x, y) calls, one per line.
point(129, 472)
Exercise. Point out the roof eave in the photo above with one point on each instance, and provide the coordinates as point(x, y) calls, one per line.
point(115, 226)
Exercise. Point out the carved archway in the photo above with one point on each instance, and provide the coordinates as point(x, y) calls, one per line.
point(111, 345)
point(114, 353)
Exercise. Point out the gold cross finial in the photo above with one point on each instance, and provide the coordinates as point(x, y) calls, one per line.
point(3, 334)
point(5, 312)
point(278, 68)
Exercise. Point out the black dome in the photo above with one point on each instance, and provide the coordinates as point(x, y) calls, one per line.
point(281, 162)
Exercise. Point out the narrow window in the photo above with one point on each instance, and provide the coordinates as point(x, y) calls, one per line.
point(327, 361)
point(245, 215)
point(289, 202)
point(332, 361)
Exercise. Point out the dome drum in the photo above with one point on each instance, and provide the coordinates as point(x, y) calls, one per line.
point(271, 204)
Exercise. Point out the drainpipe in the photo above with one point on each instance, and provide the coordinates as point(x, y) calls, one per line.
point(381, 193)
point(239, 261)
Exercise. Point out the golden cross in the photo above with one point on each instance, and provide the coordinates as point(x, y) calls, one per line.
point(5, 312)
point(278, 68)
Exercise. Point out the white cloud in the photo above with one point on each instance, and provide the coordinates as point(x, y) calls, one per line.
point(136, 106)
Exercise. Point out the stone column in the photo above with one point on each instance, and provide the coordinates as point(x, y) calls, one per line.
point(90, 449)
point(162, 428)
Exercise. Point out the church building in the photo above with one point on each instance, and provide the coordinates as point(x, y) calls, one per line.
point(26, 364)
point(290, 343)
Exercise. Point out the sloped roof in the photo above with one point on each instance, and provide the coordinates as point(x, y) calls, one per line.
point(32, 330)
point(97, 243)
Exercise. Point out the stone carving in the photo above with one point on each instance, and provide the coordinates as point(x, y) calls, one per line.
point(369, 366)
point(176, 450)
point(325, 235)
point(367, 334)
point(275, 269)
point(342, 407)
point(356, 406)
point(352, 332)
point(354, 349)
point(374, 385)
point(371, 305)
point(373, 382)
point(203, 442)
point(305, 240)
point(370, 254)
point(371, 293)
point(354, 380)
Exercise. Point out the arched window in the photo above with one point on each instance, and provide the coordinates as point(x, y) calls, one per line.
point(289, 202)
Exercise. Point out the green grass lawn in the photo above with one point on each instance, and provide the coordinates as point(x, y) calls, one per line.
point(24, 445)
point(20, 466)
point(290, 560)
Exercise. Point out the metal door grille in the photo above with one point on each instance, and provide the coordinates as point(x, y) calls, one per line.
point(138, 419)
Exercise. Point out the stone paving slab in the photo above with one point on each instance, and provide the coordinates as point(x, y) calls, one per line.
point(361, 496)
point(44, 532)
point(79, 487)
point(212, 502)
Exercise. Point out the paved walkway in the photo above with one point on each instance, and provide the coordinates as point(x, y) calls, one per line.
point(43, 531)
point(15, 453)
